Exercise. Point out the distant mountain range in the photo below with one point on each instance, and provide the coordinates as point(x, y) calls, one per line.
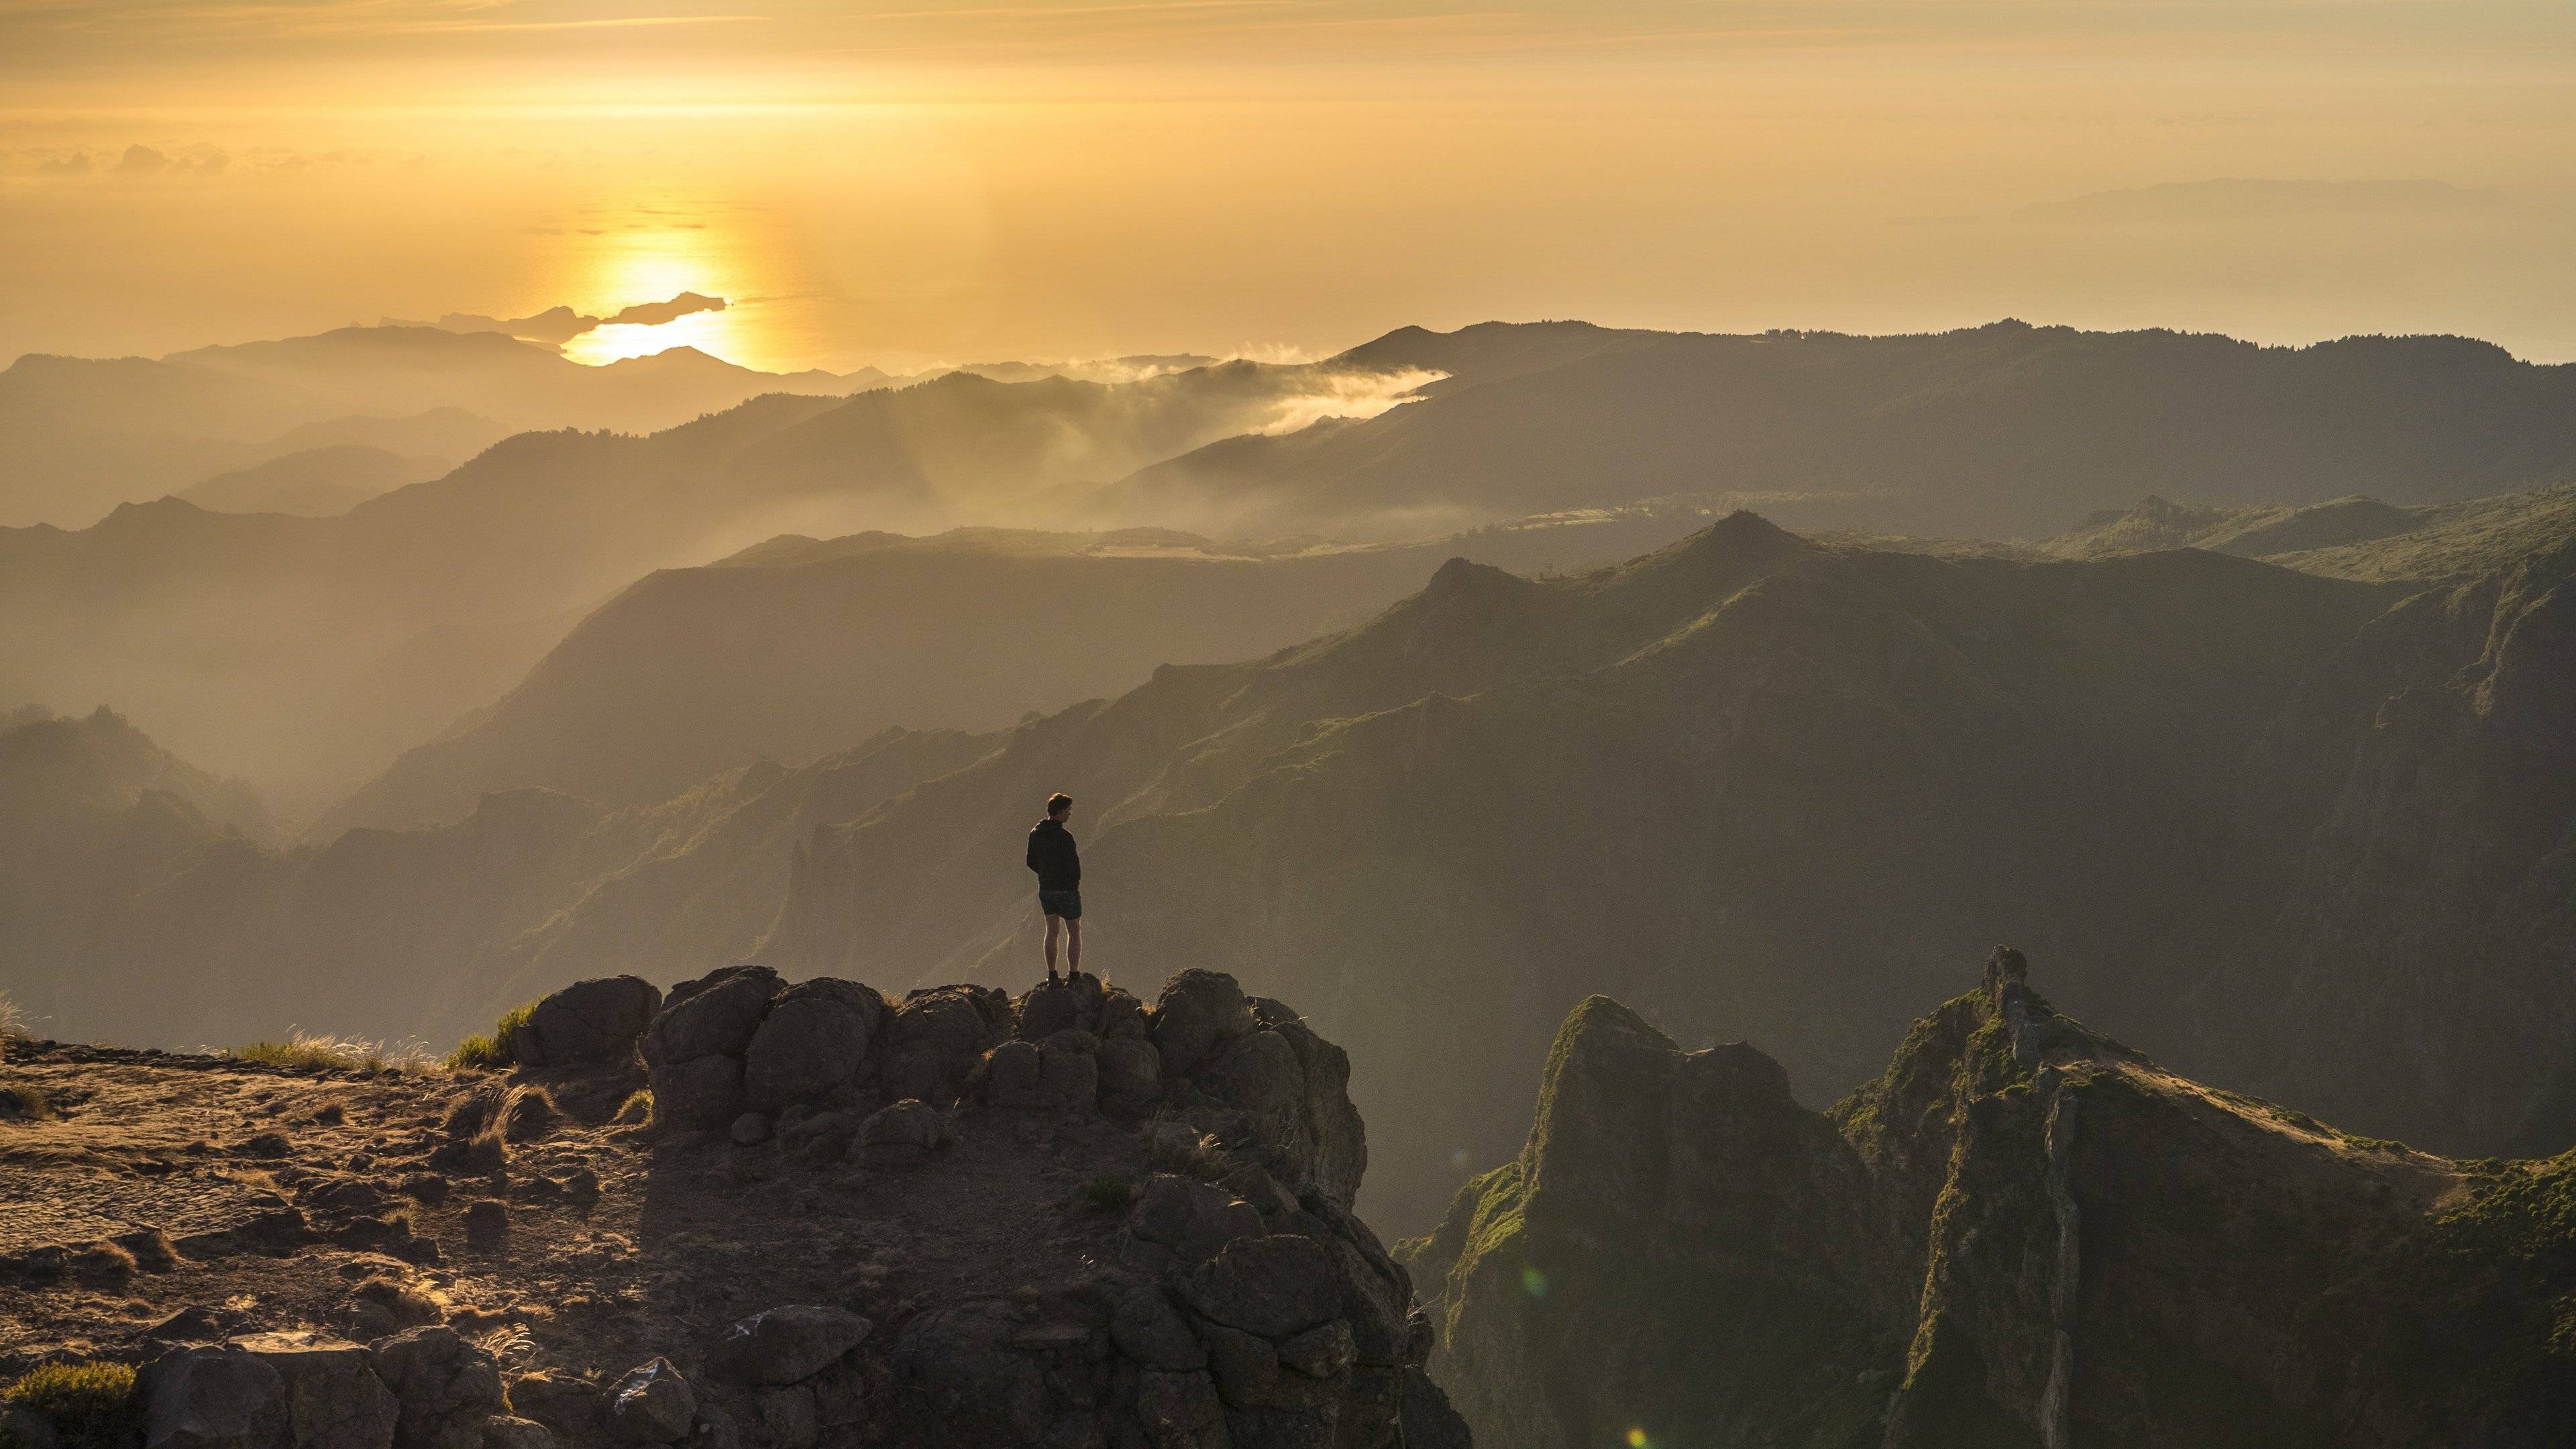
point(305, 653)
point(313, 483)
point(1995, 432)
point(80, 436)
point(1754, 784)
point(688, 672)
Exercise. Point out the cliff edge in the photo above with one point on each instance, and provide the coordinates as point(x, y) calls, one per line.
point(747, 1213)
point(2022, 1234)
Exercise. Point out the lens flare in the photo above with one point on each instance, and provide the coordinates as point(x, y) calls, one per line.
point(1533, 1282)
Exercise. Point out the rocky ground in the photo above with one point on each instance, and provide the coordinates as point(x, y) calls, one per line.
point(1083, 1222)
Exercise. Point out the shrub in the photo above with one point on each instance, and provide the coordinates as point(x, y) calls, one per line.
point(477, 1054)
point(91, 1406)
point(490, 1051)
point(1108, 1194)
point(309, 1051)
point(23, 1104)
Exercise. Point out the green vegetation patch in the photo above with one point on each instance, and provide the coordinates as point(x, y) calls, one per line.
point(490, 1052)
point(90, 1406)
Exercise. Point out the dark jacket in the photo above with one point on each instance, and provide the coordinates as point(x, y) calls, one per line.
point(1052, 856)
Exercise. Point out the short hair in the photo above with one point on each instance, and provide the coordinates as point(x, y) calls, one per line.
point(1058, 803)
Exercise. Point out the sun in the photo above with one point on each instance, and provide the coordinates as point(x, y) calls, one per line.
point(643, 264)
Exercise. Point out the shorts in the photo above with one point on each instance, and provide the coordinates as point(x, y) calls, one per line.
point(1067, 904)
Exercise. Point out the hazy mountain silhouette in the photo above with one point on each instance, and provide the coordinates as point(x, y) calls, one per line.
point(306, 653)
point(315, 483)
point(79, 436)
point(134, 910)
point(390, 369)
point(689, 671)
point(1998, 431)
point(2358, 538)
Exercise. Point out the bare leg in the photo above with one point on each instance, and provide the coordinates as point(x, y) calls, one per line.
point(1052, 923)
point(1072, 949)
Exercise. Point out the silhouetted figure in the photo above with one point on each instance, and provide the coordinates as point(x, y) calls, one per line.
point(1059, 867)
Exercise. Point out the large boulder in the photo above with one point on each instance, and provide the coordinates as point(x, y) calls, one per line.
point(1147, 1328)
point(1191, 1220)
point(333, 1398)
point(1069, 1069)
point(446, 1387)
point(653, 1404)
point(935, 1038)
point(788, 1344)
point(1011, 1075)
point(1259, 1073)
point(815, 1038)
point(562, 1401)
point(1198, 1012)
point(1131, 1071)
point(901, 1134)
point(714, 1015)
point(959, 1364)
point(702, 1092)
point(1276, 1286)
point(1122, 1015)
point(1057, 1006)
point(213, 1398)
point(1331, 1140)
point(589, 1023)
point(1180, 1411)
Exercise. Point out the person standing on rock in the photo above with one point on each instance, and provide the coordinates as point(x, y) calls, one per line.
point(1059, 867)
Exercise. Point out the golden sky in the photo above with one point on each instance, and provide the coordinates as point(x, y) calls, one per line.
point(906, 182)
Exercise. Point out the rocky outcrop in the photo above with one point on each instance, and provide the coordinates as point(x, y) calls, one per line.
point(588, 1023)
point(961, 1220)
point(2022, 1234)
point(428, 1388)
point(830, 1066)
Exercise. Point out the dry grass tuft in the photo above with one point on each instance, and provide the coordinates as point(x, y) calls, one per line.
point(308, 1051)
point(637, 1109)
point(13, 1021)
point(1175, 1146)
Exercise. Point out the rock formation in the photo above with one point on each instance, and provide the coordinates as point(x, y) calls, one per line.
point(961, 1218)
point(2022, 1234)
